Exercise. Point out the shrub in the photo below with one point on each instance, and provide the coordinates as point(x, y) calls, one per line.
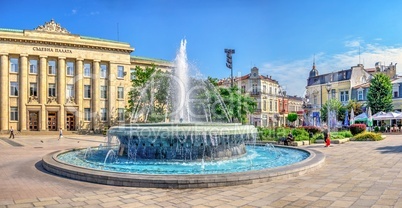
point(344, 134)
point(357, 128)
point(313, 129)
point(367, 136)
point(376, 129)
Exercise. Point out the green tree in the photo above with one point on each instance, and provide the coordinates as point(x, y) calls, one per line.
point(379, 95)
point(238, 105)
point(147, 99)
point(333, 105)
point(292, 117)
point(356, 106)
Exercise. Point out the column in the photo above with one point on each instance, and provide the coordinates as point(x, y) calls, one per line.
point(61, 89)
point(4, 89)
point(111, 96)
point(95, 94)
point(79, 85)
point(43, 91)
point(24, 89)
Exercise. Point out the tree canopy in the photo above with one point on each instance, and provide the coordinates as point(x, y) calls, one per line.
point(380, 94)
point(148, 96)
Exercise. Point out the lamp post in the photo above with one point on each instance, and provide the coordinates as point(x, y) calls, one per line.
point(229, 63)
point(328, 87)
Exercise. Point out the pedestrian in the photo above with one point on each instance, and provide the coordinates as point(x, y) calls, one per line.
point(327, 136)
point(60, 133)
point(11, 133)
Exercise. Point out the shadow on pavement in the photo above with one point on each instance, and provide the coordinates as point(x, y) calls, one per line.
point(390, 149)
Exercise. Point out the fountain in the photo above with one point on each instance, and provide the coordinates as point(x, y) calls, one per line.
point(183, 153)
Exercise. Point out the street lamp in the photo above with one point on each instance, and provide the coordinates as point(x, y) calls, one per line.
point(328, 87)
point(229, 63)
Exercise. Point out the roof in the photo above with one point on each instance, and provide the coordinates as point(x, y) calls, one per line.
point(247, 76)
point(330, 77)
point(364, 85)
point(149, 59)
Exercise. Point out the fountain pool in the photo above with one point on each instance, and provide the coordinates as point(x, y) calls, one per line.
point(184, 153)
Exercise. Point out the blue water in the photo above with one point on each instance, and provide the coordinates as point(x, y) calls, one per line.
point(257, 158)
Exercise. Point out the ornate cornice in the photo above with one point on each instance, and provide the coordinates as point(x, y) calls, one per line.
point(71, 45)
point(52, 26)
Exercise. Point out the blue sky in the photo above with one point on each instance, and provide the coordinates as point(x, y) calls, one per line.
point(280, 37)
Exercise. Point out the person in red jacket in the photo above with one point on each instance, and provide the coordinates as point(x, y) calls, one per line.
point(327, 136)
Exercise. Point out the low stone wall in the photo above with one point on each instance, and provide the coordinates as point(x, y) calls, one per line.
point(53, 165)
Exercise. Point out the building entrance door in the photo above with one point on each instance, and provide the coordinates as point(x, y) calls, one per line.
point(33, 121)
point(70, 122)
point(52, 121)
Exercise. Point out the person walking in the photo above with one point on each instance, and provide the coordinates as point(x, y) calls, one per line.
point(327, 136)
point(11, 133)
point(60, 133)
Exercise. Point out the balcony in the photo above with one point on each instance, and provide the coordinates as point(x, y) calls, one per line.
point(255, 93)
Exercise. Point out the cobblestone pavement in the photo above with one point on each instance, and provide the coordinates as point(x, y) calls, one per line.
point(356, 174)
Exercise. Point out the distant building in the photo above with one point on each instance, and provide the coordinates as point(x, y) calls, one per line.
point(341, 83)
point(360, 92)
point(273, 105)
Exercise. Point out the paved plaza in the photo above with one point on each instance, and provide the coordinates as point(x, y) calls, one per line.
point(355, 174)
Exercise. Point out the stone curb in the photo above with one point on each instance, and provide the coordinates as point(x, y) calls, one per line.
point(53, 165)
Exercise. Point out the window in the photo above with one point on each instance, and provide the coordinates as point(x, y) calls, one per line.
point(14, 113)
point(264, 88)
point(344, 96)
point(120, 93)
point(33, 66)
point(395, 90)
point(243, 89)
point(120, 114)
point(315, 100)
point(333, 93)
point(70, 91)
point(120, 71)
point(87, 70)
point(14, 65)
point(70, 68)
point(87, 91)
point(103, 114)
point(103, 70)
point(132, 74)
point(52, 67)
point(33, 89)
point(360, 95)
point(87, 114)
point(264, 107)
point(254, 89)
point(52, 90)
point(13, 88)
point(104, 92)
point(276, 106)
point(270, 90)
point(270, 105)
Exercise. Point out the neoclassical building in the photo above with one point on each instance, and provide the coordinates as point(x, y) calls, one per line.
point(51, 79)
point(273, 105)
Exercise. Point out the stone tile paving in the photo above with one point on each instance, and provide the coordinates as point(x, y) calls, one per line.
point(356, 174)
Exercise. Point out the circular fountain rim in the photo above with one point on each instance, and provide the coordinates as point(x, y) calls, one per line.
point(50, 163)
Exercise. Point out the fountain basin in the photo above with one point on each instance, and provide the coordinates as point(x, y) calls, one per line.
point(54, 165)
point(183, 141)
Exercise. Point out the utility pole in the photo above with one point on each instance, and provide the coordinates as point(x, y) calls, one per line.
point(229, 63)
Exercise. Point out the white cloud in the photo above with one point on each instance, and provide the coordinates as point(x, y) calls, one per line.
point(94, 13)
point(353, 43)
point(294, 74)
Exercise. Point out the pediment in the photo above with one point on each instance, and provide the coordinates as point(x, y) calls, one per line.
point(52, 26)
